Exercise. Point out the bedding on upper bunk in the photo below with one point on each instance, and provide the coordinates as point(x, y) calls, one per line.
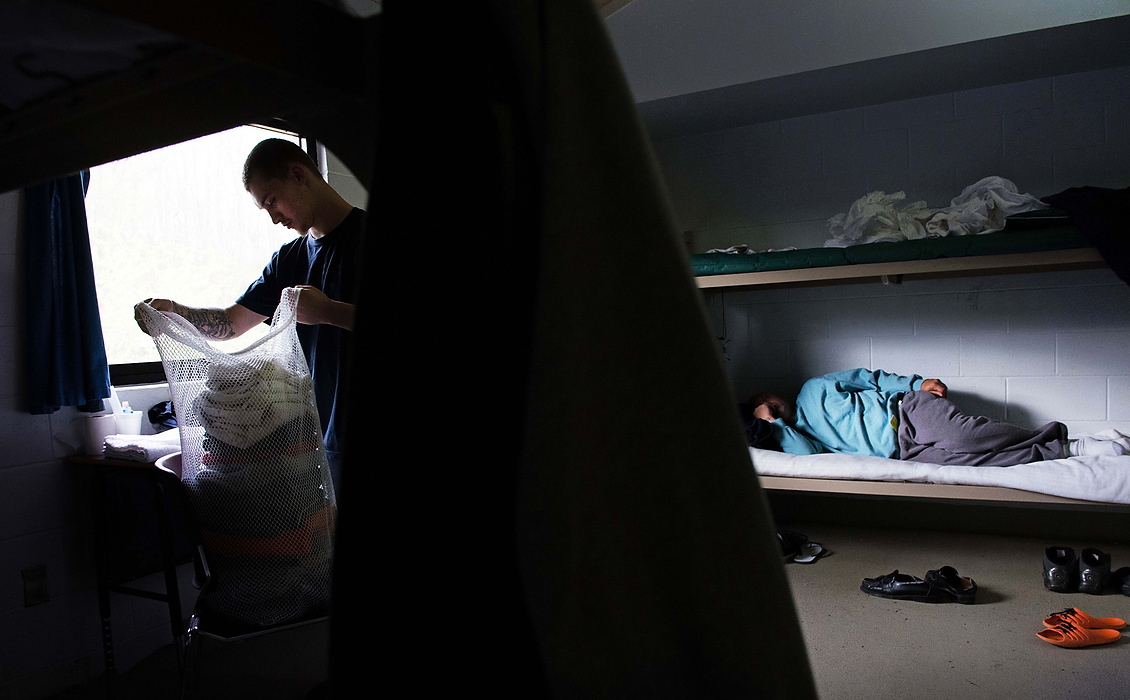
point(990, 217)
point(1100, 478)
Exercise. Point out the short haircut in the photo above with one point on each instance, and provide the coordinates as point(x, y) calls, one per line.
point(758, 399)
point(271, 158)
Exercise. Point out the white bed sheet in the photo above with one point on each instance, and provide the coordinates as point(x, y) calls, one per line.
point(1104, 479)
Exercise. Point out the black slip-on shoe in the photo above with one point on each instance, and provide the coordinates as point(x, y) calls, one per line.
point(946, 579)
point(1061, 569)
point(1094, 570)
point(901, 587)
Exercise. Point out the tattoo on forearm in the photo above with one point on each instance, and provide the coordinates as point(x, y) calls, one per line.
point(213, 323)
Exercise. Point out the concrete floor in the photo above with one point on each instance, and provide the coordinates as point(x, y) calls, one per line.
point(861, 646)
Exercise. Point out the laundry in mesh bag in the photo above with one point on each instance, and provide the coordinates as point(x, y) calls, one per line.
point(254, 466)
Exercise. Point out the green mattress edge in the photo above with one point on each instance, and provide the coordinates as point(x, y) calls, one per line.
point(1026, 240)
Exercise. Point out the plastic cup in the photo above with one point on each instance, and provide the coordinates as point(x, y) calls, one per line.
point(128, 423)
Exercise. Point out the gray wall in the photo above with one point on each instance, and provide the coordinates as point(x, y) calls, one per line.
point(675, 47)
point(1024, 348)
point(775, 184)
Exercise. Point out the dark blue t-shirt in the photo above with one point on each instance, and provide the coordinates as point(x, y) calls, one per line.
point(330, 264)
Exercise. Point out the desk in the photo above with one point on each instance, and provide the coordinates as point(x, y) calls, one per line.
point(130, 502)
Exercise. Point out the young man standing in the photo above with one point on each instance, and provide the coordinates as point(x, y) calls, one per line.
point(284, 182)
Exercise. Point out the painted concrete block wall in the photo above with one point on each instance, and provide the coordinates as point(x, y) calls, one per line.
point(1026, 348)
point(776, 184)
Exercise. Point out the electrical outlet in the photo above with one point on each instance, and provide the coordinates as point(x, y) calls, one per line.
point(35, 585)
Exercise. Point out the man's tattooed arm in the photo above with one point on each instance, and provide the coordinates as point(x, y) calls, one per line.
point(214, 323)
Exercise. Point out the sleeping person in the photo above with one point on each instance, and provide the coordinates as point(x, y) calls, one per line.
point(876, 413)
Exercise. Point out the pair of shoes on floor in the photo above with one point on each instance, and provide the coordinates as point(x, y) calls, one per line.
point(935, 588)
point(1088, 573)
point(798, 548)
point(1074, 628)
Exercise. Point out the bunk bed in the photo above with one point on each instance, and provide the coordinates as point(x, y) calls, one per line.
point(1032, 241)
point(1090, 479)
point(1042, 241)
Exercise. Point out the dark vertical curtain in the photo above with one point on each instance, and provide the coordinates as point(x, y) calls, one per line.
point(617, 543)
point(65, 354)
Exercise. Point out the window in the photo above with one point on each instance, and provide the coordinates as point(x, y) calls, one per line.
point(175, 223)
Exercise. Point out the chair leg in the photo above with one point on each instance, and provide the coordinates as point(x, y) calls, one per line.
point(169, 566)
point(190, 669)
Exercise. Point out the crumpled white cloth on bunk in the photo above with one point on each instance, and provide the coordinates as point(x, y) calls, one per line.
point(744, 249)
point(980, 208)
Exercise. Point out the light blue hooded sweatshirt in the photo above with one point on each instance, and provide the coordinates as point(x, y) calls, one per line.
point(855, 412)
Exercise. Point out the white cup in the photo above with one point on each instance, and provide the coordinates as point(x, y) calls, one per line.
point(129, 423)
point(97, 428)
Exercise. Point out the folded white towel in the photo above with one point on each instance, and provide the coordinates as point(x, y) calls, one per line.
point(142, 448)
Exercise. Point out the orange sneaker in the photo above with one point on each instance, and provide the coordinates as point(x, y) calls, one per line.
point(1081, 619)
point(1068, 635)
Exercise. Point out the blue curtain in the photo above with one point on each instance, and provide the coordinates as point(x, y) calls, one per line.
point(65, 354)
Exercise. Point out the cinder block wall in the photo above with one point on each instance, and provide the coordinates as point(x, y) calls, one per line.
point(776, 184)
point(1025, 348)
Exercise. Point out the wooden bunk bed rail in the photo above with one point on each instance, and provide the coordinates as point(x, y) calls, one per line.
point(1013, 262)
point(908, 489)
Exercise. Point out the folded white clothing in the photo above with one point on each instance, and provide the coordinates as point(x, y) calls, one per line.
point(142, 448)
point(241, 408)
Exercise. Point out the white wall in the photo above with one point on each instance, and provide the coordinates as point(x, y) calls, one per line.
point(1024, 348)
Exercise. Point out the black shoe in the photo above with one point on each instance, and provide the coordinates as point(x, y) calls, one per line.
point(1094, 570)
point(790, 543)
point(901, 587)
point(1061, 569)
point(1121, 580)
point(946, 579)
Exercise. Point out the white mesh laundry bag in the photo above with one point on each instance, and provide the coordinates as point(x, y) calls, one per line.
point(254, 466)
